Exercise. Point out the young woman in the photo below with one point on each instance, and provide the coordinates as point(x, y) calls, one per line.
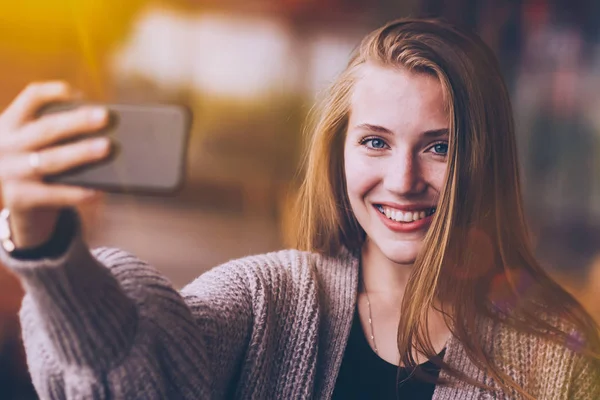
point(414, 275)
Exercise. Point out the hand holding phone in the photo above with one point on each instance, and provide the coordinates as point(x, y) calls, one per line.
point(28, 153)
point(48, 161)
point(149, 146)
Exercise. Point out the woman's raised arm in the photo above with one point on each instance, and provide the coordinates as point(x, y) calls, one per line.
point(101, 324)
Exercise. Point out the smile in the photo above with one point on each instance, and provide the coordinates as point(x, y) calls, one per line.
point(405, 216)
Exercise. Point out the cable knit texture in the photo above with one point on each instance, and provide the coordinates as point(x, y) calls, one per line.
point(105, 325)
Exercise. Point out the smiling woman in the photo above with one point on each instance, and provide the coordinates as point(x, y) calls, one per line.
point(413, 278)
point(420, 121)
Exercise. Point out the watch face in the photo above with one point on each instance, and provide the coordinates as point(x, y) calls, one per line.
point(5, 234)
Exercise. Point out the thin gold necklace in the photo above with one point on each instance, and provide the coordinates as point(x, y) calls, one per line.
point(370, 317)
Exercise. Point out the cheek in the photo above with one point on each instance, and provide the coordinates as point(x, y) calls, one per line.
point(361, 176)
point(433, 173)
point(437, 176)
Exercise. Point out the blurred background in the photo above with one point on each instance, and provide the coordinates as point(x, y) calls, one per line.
point(250, 71)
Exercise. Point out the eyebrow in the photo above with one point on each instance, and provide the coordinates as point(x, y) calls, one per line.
point(433, 133)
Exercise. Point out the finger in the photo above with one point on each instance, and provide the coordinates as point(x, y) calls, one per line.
point(59, 159)
point(54, 160)
point(14, 166)
point(32, 98)
point(27, 195)
point(54, 128)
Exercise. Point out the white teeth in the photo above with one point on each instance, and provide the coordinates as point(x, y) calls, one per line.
point(401, 216)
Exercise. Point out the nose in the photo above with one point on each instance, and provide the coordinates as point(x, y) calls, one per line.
point(403, 175)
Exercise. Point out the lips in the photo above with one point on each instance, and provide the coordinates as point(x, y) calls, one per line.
point(403, 215)
point(409, 219)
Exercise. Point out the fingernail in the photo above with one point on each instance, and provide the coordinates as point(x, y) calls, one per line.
point(100, 145)
point(98, 114)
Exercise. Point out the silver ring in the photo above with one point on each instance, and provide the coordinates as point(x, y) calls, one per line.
point(34, 161)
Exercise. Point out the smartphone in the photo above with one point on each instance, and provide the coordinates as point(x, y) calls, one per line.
point(149, 149)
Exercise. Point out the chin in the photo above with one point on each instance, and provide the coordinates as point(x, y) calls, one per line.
point(403, 259)
point(401, 252)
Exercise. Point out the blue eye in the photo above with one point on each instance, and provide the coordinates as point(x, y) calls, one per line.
point(440, 148)
point(374, 143)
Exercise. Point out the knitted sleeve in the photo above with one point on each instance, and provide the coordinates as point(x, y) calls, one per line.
point(103, 324)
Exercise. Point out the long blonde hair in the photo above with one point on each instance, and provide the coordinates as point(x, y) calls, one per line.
point(477, 259)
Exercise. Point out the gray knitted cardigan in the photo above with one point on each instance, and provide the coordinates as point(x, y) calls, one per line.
point(103, 324)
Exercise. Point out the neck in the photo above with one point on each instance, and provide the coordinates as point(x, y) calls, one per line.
point(382, 277)
point(380, 308)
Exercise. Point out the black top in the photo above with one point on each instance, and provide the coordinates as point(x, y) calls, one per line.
point(364, 375)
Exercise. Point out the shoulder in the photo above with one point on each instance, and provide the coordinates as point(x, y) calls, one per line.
point(268, 268)
point(507, 338)
point(551, 362)
point(289, 265)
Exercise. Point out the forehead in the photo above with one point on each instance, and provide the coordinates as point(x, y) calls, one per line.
point(396, 96)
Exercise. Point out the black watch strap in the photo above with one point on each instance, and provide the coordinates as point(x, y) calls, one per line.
point(57, 245)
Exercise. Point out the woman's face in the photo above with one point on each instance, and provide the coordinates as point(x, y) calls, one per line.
point(395, 157)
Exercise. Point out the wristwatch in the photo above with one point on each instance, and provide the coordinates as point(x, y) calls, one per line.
point(5, 233)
